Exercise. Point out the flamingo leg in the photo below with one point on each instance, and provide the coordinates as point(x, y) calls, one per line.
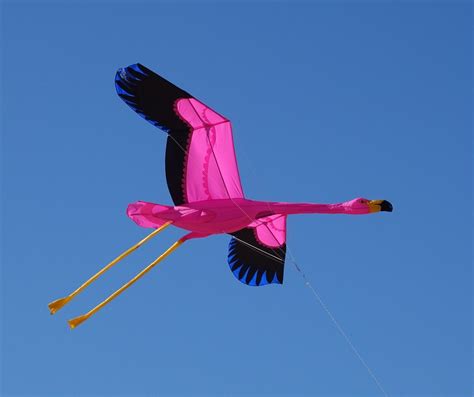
point(59, 303)
point(78, 320)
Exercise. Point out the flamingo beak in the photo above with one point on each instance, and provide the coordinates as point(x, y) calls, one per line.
point(380, 205)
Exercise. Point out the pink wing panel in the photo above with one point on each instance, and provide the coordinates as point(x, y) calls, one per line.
point(211, 166)
point(271, 230)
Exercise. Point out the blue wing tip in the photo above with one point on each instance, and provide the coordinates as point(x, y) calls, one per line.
point(253, 281)
point(130, 72)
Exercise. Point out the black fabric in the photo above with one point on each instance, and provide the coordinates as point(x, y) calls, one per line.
point(154, 98)
point(248, 258)
point(176, 149)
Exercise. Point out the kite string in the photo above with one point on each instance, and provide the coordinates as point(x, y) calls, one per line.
point(320, 300)
point(335, 322)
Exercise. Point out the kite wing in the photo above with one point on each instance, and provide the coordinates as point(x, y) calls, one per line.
point(200, 156)
point(257, 253)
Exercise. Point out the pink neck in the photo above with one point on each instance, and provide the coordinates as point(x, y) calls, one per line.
point(305, 208)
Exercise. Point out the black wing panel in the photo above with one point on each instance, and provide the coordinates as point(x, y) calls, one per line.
point(253, 263)
point(154, 99)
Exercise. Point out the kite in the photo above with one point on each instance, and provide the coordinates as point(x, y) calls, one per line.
point(204, 182)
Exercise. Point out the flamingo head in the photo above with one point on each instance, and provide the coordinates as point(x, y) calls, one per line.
point(362, 205)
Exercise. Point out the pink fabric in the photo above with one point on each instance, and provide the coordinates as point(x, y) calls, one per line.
point(145, 214)
point(196, 114)
point(155, 215)
point(357, 206)
point(271, 230)
point(211, 165)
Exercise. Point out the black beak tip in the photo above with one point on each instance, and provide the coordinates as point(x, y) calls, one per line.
point(386, 206)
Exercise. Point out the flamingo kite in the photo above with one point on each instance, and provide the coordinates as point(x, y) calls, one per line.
point(204, 183)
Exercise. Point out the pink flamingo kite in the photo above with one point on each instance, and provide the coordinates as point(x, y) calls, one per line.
point(204, 182)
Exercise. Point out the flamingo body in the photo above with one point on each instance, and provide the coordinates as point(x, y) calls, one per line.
point(228, 216)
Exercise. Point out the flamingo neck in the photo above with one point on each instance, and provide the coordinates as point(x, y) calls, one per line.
point(307, 208)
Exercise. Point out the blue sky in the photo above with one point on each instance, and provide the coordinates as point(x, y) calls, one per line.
point(328, 102)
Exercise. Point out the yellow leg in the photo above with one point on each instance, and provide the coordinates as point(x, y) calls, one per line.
point(78, 320)
point(59, 303)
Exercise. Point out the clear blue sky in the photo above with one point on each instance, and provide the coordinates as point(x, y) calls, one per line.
point(328, 102)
